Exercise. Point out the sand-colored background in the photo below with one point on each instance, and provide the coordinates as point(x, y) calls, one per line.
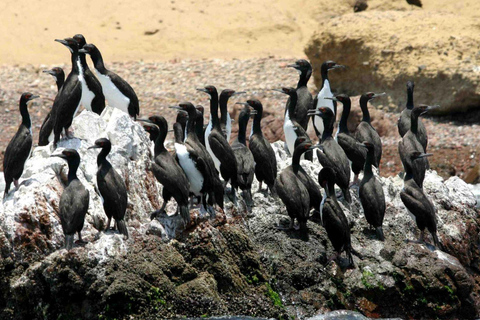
point(191, 29)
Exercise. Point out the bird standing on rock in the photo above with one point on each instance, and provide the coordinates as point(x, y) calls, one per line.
point(355, 153)
point(45, 134)
point(326, 91)
point(92, 95)
point(333, 219)
point(410, 143)
point(265, 160)
point(69, 98)
point(117, 91)
point(169, 173)
point(331, 154)
point(365, 131)
point(292, 191)
point(20, 147)
point(304, 97)
point(418, 204)
point(244, 157)
point(291, 128)
point(112, 188)
point(73, 201)
point(371, 194)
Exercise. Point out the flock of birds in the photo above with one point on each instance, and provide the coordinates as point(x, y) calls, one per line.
point(204, 162)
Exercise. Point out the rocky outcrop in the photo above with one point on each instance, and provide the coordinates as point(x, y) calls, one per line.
point(384, 50)
point(235, 263)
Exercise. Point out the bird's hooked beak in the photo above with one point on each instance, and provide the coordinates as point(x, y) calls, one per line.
point(317, 146)
point(64, 42)
point(203, 90)
point(424, 155)
point(82, 50)
point(294, 65)
point(429, 108)
point(253, 112)
point(236, 93)
point(144, 120)
point(331, 98)
point(376, 95)
point(278, 90)
point(337, 66)
point(176, 107)
point(94, 147)
point(33, 97)
point(50, 72)
point(314, 112)
point(242, 103)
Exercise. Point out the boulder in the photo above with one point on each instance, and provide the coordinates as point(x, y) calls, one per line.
point(383, 49)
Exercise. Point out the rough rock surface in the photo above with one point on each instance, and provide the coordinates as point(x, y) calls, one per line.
point(384, 50)
point(232, 264)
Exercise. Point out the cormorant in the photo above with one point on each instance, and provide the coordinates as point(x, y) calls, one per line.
point(45, 134)
point(244, 157)
point(265, 160)
point(292, 191)
point(320, 100)
point(332, 155)
point(20, 147)
point(333, 219)
point(225, 119)
point(117, 91)
point(92, 95)
point(73, 201)
point(305, 99)
point(371, 194)
point(112, 188)
point(355, 153)
point(418, 204)
point(291, 126)
point(365, 131)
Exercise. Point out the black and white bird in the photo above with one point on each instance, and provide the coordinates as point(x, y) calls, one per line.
point(355, 153)
point(218, 146)
point(73, 201)
point(263, 154)
point(111, 187)
point(45, 134)
point(326, 91)
point(404, 121)
point(244, 157)
point(331, 155)
point(291, 126)
point(411, 143)
point(305, 99)
point(225, 119)
point(292, 191)
point(365, 131)
point(418, 203)
point(92, 95)
point(333, 219)
point(117, 91)
point(69, 99)
point(169, 173)
point(20, 147)
point(371, 194)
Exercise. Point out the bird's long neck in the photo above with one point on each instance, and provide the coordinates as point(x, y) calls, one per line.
point(223, 109)
point(192, 117)
point(296, 160)
point(59, 80)
point(368, 172)
point(324, 76)
point(344, 119)
point(293, 104)
point(328, 127)
point(214, 111)
point(364, 107)
point(409, 98)
point(75, 68)
point(159, 142)
point(242, 129)
point(414, 122)
point(25, 115)
point(304, 77)
point(257, 128)
point(199, 126)
point(83, 60)
point(330, 188)
point(98, 60)
point(102, 156)
point(178, 132)
point(72, 169)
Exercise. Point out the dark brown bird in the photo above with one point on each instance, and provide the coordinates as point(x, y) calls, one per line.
point(417, 3)
point(360, 5)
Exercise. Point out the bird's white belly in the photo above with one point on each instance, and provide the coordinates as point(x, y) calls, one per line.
point(194, 176)
point(87, 95)
point(290, 134)
point(207, 145)
point(229, 127)
point(115, 98)
point(322, 102)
